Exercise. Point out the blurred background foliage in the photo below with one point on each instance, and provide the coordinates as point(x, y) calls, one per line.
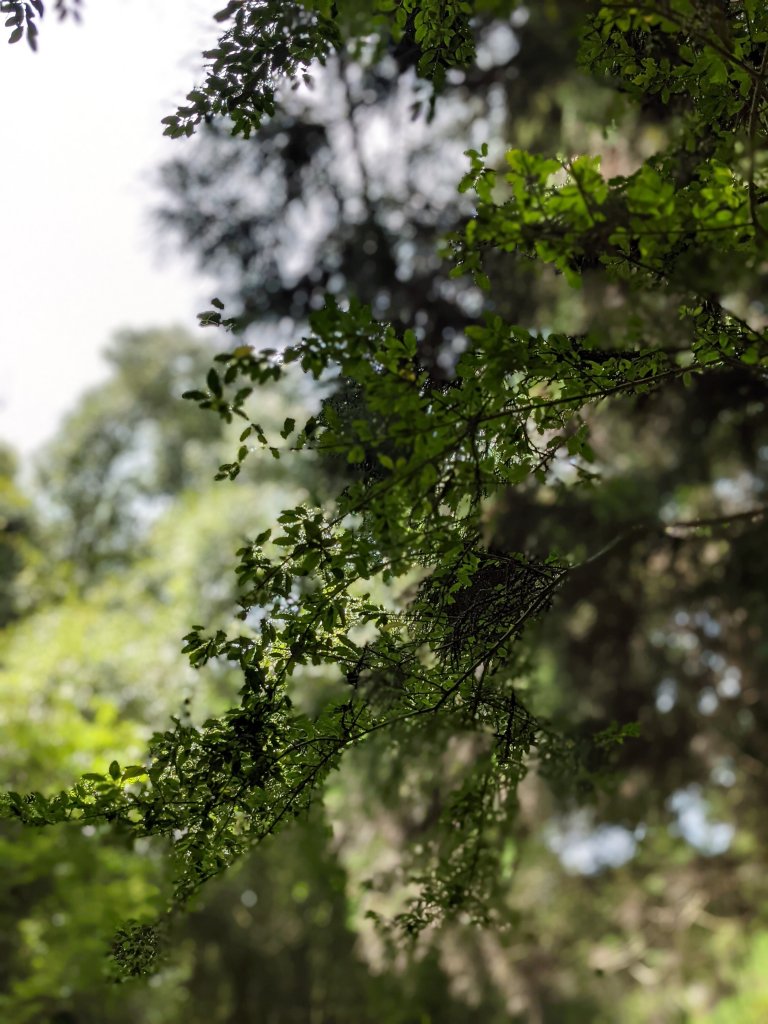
point(648, 901)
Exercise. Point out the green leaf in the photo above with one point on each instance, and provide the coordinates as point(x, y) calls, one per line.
point(214, 383)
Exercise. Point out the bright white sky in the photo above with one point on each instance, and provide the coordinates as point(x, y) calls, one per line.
point(79, 256)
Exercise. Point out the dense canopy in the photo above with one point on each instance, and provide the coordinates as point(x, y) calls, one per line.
point(524, 583)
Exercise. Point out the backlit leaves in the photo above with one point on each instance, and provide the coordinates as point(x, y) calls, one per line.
point(22, 16)
point(393, 592)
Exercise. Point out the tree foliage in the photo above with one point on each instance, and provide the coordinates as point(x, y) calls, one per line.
point(24, 15)
point(406, 587)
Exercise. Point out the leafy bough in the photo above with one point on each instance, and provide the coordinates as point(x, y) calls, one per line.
point(426, 458)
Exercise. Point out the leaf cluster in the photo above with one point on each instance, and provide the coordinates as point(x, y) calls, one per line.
point(395, 590)
point(23, 16)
